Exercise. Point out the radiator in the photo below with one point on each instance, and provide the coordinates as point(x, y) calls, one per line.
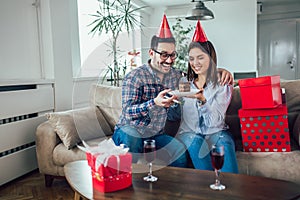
point(23, 108)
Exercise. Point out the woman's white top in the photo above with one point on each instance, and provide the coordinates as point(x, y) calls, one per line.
point(208, 118)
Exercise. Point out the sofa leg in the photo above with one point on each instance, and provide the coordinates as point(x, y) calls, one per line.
point(48, 180)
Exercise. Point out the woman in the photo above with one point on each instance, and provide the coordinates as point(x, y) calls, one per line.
point(203, 115)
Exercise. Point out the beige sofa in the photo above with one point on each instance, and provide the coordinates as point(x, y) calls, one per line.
point(97, 122)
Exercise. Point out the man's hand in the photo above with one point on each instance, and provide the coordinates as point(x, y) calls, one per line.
point(224, 76)
point(160, 100)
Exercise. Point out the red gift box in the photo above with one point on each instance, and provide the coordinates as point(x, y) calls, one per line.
point(115, 174)
point(265, 130)
point(262, 92)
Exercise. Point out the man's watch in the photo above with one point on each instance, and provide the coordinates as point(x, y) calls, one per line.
point(201, 103)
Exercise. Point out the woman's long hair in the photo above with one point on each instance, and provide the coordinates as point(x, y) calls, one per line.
point(212, 74)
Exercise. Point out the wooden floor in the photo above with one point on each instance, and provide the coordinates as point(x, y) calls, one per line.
point(32, 186)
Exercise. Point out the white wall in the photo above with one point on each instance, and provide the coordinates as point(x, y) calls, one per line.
point(37, 44)
point(234, 34)
point(18, 57)
point(60, 16)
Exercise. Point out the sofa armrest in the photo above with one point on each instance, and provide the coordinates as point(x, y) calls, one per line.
point(46, 141)
point(296, 130)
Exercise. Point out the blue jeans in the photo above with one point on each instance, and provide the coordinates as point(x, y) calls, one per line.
point(199, 145)
point(169, 150)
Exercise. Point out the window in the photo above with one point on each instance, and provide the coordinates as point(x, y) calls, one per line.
point(95, 50)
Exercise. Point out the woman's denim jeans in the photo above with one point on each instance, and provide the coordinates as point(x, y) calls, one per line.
point(199, 147)
point(169, 149)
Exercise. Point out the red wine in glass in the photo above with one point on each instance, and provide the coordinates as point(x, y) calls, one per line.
point(150, 154)
point(217, 160)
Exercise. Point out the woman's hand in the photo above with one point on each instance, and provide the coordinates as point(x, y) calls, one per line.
point(200, 95)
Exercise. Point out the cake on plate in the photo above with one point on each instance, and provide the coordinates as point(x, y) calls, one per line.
point(184, 87)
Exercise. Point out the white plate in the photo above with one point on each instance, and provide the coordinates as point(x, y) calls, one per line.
point(184, 94)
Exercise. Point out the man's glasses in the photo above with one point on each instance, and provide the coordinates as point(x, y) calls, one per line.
point(165, 56)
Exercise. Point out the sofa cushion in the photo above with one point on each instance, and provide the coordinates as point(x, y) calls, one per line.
point(296, 130)
point(292, 91)
point(278, 165)
point(235, 103)
point(109, 101)
point(62, 156)
point(233, 121)
point(81, 124)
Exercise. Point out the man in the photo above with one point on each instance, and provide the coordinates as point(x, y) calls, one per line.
point(144, 102)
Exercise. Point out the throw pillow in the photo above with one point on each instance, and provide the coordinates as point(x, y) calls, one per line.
point(76, 125)
point(296, 130)
point(109, 100)
point(292, 91)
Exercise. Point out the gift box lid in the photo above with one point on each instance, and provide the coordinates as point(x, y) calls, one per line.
point(259, 81)
point(280, 110)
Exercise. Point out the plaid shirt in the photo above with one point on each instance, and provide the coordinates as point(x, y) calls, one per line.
point(139, 89)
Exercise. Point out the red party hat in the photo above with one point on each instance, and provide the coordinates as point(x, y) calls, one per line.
point(199, 35)
point(164, 31)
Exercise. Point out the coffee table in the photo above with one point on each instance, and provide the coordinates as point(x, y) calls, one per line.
point(181, 183)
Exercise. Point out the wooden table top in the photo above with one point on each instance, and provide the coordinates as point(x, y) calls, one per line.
point(183, 183)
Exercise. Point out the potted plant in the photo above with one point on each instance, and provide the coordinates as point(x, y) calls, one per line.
point(113, 17)
point(182, 38)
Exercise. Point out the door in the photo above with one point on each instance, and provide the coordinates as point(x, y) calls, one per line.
point(278, 48)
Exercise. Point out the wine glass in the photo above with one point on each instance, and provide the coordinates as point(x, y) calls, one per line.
point(150, 154)
point(217, 159)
